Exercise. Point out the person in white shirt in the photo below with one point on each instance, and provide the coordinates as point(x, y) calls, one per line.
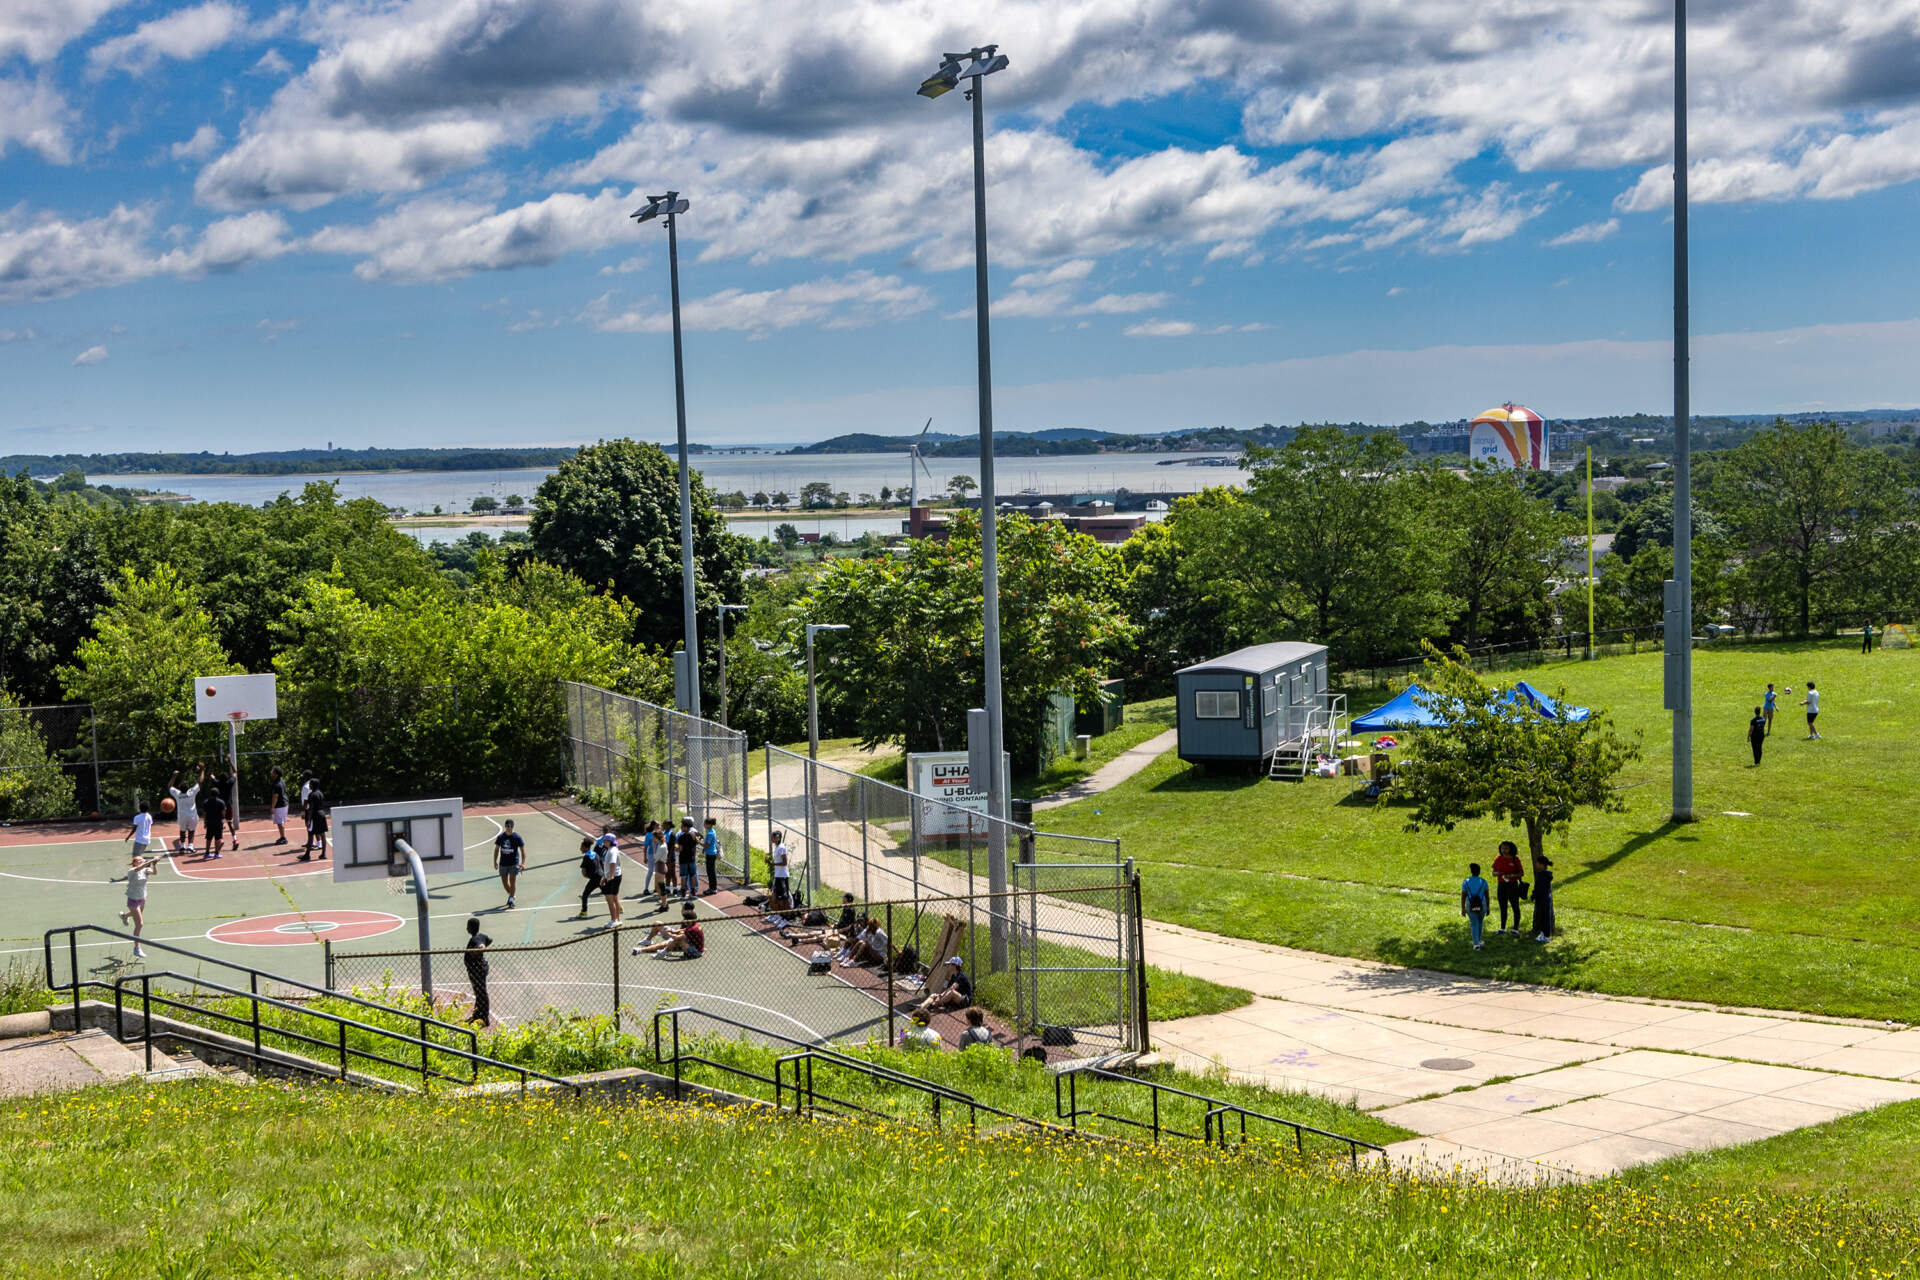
point(186, 807)
point(782, 869)
point(608, 848)
point(141, 831)
point(1812, 703)
point(138, 870)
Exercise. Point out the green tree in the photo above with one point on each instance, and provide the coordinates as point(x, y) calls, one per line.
point(1330, 543)
point(137, 670)
point(516, 500)
point(1177, 625)
point(611, 514)
point(484, 504)
point(1815, 519)
point(33, 786)
point(912, 664)
point(53, 578)
point(960, 486)
point(786, 535)
point(1498, 548)
point(815, 493)
point(1498, 758)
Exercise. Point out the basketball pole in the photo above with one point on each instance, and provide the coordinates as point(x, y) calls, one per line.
point(420, 910)
point(1590, 647)
point(233, 758)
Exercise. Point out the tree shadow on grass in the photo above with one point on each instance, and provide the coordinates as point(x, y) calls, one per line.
point(1199, 778)
point(1445, 949)
point(1639, 841)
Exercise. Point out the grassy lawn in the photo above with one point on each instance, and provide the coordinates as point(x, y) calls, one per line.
point(212, 1180)
point(1800, 887)
point(1144, 720)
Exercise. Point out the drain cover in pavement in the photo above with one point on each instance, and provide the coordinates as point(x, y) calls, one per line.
point(1446, 1064)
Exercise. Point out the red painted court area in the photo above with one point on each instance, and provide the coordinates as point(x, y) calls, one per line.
point(292, 928)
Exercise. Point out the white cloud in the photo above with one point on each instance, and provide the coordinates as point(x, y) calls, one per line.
point(204, 142)
point(851, 301)
point(183, 35)
point(1587, 233)
point(309, 167)
point(92, 355)
point(43, 256)
point(34, 115)
point(17, 335)
point(438, 240)
point(626, 266)
point(1161, 329)
point(38, 29)
point(1396, 291)
point(273, 63)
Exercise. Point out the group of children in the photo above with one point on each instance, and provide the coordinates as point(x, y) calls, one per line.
point(1760, 728)
point(1514, 888)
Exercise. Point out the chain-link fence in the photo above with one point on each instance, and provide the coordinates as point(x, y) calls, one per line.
point(1071, 956)
point(657, 764)
point(1073, 984)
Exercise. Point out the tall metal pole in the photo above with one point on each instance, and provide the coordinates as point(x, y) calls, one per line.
point(720, 653)
point(1679, 639)
point(1590, 644)
point(688, 607)
point(813, 705)
point(989, 547)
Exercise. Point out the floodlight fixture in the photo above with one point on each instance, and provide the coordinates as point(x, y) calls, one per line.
point(659, 206)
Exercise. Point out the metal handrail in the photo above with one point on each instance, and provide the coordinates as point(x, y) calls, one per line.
point(72, 932)
point(346, 1051)
point(811, 1052)
point(1070, 1110)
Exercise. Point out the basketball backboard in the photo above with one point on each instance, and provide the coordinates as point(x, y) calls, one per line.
point(223, 699)
point(363, 836)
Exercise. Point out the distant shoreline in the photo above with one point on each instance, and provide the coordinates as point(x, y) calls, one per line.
point(465, 520)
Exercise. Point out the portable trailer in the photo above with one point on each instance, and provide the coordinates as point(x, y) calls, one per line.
point(1267, 704)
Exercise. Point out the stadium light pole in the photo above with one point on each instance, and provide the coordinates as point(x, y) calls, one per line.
point(1679, 603)
point(668, 208)
point(722, 610)
point(974, 66)
point(813, 701)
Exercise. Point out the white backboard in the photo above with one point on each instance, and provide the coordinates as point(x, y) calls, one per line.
point(217, 698)
point(363, 835)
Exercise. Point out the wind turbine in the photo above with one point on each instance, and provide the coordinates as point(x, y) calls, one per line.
point(915, 465)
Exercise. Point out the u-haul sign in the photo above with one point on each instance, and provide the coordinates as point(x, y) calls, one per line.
point(944, 776)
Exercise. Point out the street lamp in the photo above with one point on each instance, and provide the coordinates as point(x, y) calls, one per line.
point(668, 207)
point(722, 610)
point(975, 65)
point(813, 701)
point(1678, 640)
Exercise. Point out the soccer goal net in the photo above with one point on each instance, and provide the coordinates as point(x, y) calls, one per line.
point(1895, 637)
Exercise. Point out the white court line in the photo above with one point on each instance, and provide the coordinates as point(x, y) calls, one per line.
point(672, 991)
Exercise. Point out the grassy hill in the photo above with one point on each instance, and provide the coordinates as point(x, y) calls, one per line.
point(212, 1180)
point(1800, 887)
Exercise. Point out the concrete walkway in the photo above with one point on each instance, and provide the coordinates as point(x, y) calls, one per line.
point(1588, 1085)
point(56, 1060)
point(1113, 772)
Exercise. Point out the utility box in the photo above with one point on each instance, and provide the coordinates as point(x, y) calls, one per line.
point(1240, 707)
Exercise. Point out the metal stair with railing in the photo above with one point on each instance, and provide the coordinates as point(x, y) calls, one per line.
point(1325, 729)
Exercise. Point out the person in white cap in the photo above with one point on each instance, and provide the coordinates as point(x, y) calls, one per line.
point(958, 994)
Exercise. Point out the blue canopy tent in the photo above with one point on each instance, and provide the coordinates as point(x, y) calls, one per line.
point(1547, 707)
point(1409, 709)
point(1404, 711)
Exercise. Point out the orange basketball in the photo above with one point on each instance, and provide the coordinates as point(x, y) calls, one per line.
point(166, 805)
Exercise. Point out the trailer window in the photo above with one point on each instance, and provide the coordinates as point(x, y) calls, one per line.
point(1216, 704)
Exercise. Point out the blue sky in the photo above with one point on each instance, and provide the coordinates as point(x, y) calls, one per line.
point(233, 226)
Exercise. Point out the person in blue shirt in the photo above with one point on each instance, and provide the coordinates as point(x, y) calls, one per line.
point(650, 846)
point(1473, 903)
point(710, 846)
point(1767, 706)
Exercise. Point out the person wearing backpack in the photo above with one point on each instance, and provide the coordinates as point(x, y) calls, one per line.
point(1473, 904)
point(590, 873)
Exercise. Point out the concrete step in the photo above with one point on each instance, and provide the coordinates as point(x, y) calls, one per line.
point(61, 1060)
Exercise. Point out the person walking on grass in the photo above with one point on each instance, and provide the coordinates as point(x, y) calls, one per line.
point(590, 872)
point(1509, 883)
point(186, 809)
point(1757, 734)
point(1543, 925)
point(1473, 904)
point(277, 801)
point(710, 850)
point(1866, 640)
point(1812, 703)
point(213, 813)
point(1766, 705)
point(687, 845)
point(138, 869)
point(477, 969)
point(509, 847)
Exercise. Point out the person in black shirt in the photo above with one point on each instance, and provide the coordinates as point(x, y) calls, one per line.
point(277, 799)
point(213, 812)
point(316, 808)
point(958, 995)
point(508, 849)
point(476, 959)
point(1757, 733)
point(687, 844)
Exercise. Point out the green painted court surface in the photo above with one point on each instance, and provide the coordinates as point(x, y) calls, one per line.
point(263, 908)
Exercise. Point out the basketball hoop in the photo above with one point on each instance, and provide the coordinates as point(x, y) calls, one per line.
point(397, 874)
point(237, 721)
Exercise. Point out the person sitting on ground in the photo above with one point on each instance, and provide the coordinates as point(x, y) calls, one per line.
point(689, 941)
point(869, 946)
point(839, 934)
point(976, 1032)
point(958, 995)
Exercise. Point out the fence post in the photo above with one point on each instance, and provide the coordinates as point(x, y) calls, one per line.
point(767, 751)
point(606, 768)
point(1139, 969)
point(887, 960)
point(614, 934)
point(93, 733)
point(866, 890)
